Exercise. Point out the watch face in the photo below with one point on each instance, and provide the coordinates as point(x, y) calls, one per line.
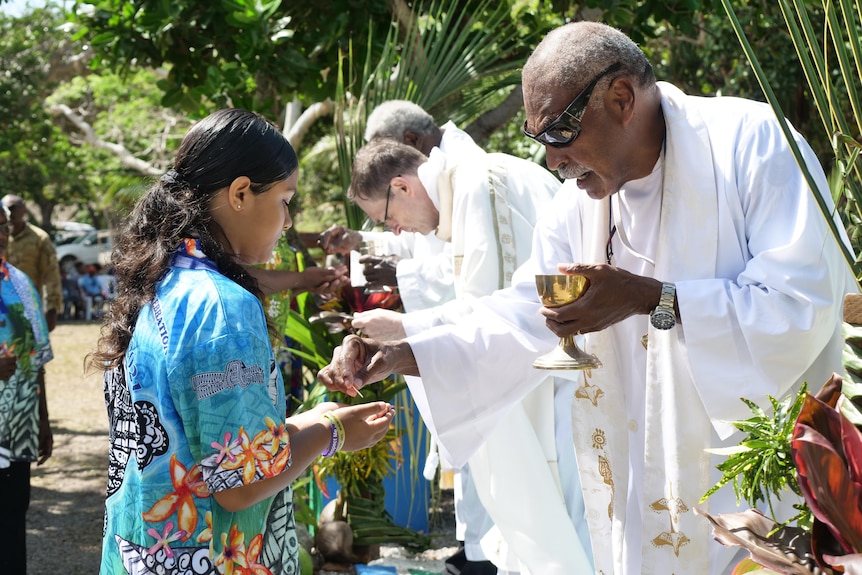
point(662, 319)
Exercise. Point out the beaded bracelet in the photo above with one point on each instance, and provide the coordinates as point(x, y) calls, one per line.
point(336, 440)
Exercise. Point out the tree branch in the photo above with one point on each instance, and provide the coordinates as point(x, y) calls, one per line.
point(298, 130)
point(89, 136)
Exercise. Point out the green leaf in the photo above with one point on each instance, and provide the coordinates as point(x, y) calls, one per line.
point(759, 466)
point(102, 38)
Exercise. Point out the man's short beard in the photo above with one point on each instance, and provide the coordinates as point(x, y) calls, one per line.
point(568, 173)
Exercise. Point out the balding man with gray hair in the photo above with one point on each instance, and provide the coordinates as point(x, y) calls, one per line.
point(406, 122)
point(712, 275)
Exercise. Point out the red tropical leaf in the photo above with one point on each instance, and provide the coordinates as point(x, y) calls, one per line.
point(852, 444)
point(820, 416)
point(357, 300)
point(830, 489)
point(831, 390)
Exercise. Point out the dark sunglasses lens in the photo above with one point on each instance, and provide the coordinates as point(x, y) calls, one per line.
point(559, 135)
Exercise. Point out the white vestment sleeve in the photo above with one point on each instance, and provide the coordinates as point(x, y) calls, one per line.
point(425, 282)
point(761, 326)
point(496, 343)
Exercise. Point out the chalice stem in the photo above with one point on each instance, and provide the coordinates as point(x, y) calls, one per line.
point(568, 345)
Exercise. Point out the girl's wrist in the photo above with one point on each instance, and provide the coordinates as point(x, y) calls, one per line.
point(336, 434)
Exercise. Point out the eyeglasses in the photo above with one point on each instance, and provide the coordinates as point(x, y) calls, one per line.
point(386, 210)
point(563, 131)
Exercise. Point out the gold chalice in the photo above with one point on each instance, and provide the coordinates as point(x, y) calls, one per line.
point(556, 290)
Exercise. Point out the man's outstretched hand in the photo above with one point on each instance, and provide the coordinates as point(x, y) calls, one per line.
point(339, 240)
point(360, 361)
point(380, 271)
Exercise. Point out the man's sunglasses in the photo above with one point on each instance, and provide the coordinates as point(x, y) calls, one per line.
point(563, 131)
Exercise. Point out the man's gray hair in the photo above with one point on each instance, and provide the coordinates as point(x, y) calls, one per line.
point(377, 162)
point(571, 55)
point(394, 118)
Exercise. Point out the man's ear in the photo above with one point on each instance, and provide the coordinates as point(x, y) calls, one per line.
point(401, 185)
point(238, 192)
point(411, 139)
point(620, 99)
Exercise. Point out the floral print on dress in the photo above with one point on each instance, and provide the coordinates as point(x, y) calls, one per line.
point(243, 460)
point(172, 447)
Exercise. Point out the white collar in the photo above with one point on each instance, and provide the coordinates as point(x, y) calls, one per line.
point(429, 172)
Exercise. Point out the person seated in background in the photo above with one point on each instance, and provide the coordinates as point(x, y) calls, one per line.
point(108, 282)
point(73, 298)
point(93, 292)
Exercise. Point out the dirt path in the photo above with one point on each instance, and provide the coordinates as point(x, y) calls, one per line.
point(64, 524)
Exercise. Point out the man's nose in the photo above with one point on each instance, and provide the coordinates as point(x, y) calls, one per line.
point(554, 157)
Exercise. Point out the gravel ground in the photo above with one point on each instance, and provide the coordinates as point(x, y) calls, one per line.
point(64, 523)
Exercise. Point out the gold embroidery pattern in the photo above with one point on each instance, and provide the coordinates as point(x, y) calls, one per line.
point(599, 440)
point(674, 507)
point(589, 392)
point(674, 539)
point(599, 443)
point(608, 478)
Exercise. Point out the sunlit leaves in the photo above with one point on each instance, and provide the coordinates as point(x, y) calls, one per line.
point(761, 467)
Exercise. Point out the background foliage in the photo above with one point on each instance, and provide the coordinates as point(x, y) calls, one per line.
point(161, 65)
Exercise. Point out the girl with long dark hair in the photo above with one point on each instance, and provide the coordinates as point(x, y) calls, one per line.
point(202, 455)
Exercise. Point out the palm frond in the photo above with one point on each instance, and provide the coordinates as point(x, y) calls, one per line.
point(819, 74)
point(444, 51)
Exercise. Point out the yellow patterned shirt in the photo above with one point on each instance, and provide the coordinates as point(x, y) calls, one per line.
point(32, 252)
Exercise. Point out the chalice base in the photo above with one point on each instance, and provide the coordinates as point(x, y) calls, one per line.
point(561, 358)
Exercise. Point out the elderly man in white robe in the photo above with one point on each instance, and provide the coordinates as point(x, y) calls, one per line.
point(695, 228)
point(487, 212)
point(420, 265)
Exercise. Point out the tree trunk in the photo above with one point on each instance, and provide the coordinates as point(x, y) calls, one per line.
point(46, 209)
point(491, 120)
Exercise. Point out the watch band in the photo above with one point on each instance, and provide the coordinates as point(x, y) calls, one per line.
point(668, 296)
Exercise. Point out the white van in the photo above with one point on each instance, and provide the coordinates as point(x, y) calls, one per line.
point(94, 247)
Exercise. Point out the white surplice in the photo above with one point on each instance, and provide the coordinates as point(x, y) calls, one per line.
point(488, 211)
point(760, 284)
